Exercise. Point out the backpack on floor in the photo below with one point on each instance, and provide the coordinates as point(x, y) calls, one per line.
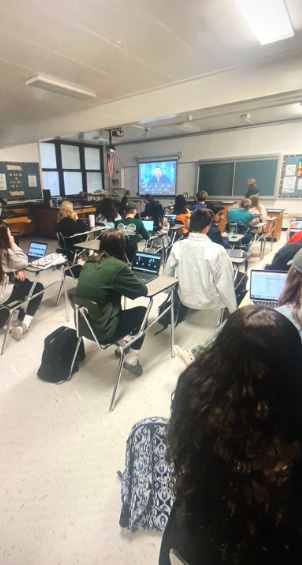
point(59, 349)
point(147, 482)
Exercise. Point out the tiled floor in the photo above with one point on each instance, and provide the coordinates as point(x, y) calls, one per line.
point(61, 448)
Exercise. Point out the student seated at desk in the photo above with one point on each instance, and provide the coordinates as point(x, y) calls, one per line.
point(107, 214)
point(131, 228)
point(235, 442)
point(290, 301)
point(243, 217)
point(203, 268)
point(182, 213)
point(283, 256)
point(104, 279)
point(13, 284)
point(155, 212)
point(201, 201)
point(68, 224)
point(257, 209)
point(214, 232)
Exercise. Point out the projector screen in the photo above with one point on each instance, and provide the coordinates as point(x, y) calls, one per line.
point(157, 178)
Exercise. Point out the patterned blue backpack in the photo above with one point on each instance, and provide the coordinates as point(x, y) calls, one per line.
point(147, 482)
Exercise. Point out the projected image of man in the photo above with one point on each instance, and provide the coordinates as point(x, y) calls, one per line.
point(158, 179)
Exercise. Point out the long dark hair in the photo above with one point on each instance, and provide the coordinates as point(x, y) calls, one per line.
point(112, 244)
point(180, 206)
point(292, 293)
point(235, 440)
point(4, 248)
point(107, 210)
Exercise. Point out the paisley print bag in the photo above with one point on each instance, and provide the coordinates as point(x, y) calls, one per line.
point(147, 483)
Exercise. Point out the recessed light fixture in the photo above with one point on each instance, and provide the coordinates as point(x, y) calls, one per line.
point(59, 87)
point(268, 19)
point(168, 117)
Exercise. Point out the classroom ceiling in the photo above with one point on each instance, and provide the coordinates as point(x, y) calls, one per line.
point(118, 49)
point(255, 112)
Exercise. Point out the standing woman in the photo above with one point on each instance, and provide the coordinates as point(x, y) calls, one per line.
point(257, 208)
point(251, 188)
point(235, 440)
point(107, 213)
point(290, 301)
point(13, 284)
point(181, 211)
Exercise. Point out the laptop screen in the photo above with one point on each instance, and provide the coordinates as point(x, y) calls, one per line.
point(296, 223)
point(37, 250)
point(146, 262)
point(171, 219)
point(148, 224)
point(267, 285)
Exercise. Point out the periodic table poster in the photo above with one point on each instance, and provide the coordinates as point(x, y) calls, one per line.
point(20, 181)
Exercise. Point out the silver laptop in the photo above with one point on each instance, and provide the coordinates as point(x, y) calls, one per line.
point(36, 251)
point(266, 287)
point(146, 266)
point(149, 225)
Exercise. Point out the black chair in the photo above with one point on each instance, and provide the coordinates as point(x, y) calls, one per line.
point(89, 311)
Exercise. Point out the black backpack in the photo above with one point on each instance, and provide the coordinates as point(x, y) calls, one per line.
point(59, 349)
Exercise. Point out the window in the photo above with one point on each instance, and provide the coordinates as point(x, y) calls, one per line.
point(48, 156)
point(70, 168)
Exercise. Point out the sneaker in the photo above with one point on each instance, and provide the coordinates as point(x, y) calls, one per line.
point(184, 354)
point(19, 331)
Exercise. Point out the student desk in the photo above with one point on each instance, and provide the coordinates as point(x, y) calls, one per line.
point(91, 245)
point(241, 260)
point(162, 283)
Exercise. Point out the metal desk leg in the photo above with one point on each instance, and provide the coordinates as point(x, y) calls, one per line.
point(172, 325)
point(272, 235)
point(9, 321)
point(65, 291)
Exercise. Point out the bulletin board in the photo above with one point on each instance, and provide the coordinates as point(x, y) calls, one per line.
point(20, 181)
point(291, 177)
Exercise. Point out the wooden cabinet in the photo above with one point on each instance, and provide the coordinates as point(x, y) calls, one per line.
point(25, 224)
point(48, 218)
point(278, 214)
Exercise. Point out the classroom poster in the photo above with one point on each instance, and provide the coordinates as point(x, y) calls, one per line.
point(299, 173)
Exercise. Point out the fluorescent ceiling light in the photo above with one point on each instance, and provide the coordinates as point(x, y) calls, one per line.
point(187, 126)
point(168, 117)
point(268, 19)
point(59, 87)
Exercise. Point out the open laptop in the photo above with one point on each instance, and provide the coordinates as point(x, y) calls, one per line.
point(296, 224)
point(148, 225)
point(266, 287)
point(146, 266)
point(171, 219)
point(36, 251)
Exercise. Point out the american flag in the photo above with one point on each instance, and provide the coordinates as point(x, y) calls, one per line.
point(110, 163)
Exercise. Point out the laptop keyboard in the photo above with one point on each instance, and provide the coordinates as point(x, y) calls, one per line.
point(145, 278)
point(268, 304)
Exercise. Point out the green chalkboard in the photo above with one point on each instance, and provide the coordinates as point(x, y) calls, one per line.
point(216, 178)
point(263, 170)
point(20, 181)
point(229, 178)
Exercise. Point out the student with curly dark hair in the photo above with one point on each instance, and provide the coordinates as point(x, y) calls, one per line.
point(235, 439)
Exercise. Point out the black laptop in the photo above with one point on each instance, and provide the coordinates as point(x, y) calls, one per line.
point(146, 266)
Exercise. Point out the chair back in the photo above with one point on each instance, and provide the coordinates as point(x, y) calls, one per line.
point(61, 240)
point(233, 227)
point(92, 308)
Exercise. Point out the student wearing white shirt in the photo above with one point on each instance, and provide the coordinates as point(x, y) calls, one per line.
point(203, 268)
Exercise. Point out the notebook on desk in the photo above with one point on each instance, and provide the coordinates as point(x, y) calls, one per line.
point(36, 251)
point(266, 287)
point(146, 266)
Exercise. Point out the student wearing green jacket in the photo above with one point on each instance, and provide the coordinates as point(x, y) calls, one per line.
point(132, 228)
point(104, 279)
